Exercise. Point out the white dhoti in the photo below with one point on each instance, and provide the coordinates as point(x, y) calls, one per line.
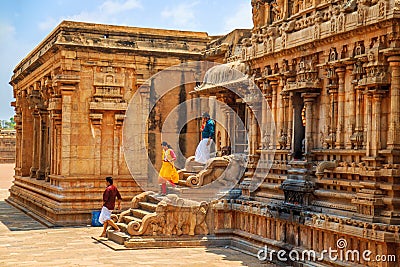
point(105, 215)
point(202, 151)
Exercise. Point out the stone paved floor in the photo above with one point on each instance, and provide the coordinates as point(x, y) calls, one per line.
point(25, 242)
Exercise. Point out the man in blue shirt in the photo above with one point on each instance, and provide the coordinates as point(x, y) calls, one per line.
point(207, 135)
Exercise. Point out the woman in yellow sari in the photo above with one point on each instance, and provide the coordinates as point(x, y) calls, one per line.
point(168, 172)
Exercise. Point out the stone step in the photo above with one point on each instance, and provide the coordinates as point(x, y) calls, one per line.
point(152, 199)
point(182, 182)
point(128, 219)
point(148, 206)
point(139, 213)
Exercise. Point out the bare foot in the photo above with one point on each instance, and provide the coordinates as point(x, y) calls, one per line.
point(103, 235)
point(118, 230)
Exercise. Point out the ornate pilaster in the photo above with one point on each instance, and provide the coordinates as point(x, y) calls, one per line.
point(274, 108)
point(41, 173)
point(333, 92)
point(283, 139)
point(119, 120)
point(340, 109)
point(376, 145)
point(96, 123)
point(309, 99)
point(351, 110)
point(357, 139)
point(394, 120)
point(35, 147)
point(368, 120)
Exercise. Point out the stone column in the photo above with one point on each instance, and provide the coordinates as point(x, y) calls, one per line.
point(264, 123)
point(289, 122)
point(394, 120)
point(279, 123)
point(334, 111)
point(340, 109)
point(297, 127)
point(309, 99)
point(96, 124)
point(350, 111)
point(368, 120)
point(376, 145)
point(66, 114)
point(118, 121)
point(18, 142)
point(274, 111)
point(35, 147)
point(359, 131)
point(268, 118)
point(285, 102)
point(42, 145)
point(55, 143)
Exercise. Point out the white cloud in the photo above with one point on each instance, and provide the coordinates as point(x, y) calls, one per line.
point(108, 12)
point(181, 15)
point(115, 7)
point(241, 19)
point(47, 24)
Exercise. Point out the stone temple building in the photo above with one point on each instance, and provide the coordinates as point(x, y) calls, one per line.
point(330, 74)
point(7, 146)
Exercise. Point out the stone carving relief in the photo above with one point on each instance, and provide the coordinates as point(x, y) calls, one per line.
point(172, 216)
point(258, 13)
point(382, 5)
point(277, 9)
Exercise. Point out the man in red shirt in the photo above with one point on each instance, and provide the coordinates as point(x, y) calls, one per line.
point(109, 196)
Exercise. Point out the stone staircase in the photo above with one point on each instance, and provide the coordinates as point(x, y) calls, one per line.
point(192, 168)
point(151, 215)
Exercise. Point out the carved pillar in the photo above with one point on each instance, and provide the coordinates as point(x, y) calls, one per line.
point(35, 147)
point(309, 99)
point(394, 120)
point(333, 118)
point(285, 100)
point(42, 145)
point(297, 126)
point(289, 122)
point(280, 116)
point(358, 136)
point(376, 145)
point(96, 121)
point(340, 109)
point(55, 144)
point(268, 117)
point(18, 139)
point(264, 114)
point(66, 114)
point(274, 108)
point(368, 120)
point(119, 119)
point(351, 110)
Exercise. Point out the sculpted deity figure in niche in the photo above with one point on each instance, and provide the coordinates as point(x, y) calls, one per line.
point(296, 6)
point(258, 13)
point(277, 9)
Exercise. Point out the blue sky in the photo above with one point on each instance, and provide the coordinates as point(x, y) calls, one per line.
point(24, 23)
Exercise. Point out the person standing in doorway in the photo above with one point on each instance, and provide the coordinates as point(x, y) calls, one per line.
point(207, 134)
point(110, 194)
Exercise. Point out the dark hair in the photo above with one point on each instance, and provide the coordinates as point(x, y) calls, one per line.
point(166, 144)
point(205, 115)
point(109, 179)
